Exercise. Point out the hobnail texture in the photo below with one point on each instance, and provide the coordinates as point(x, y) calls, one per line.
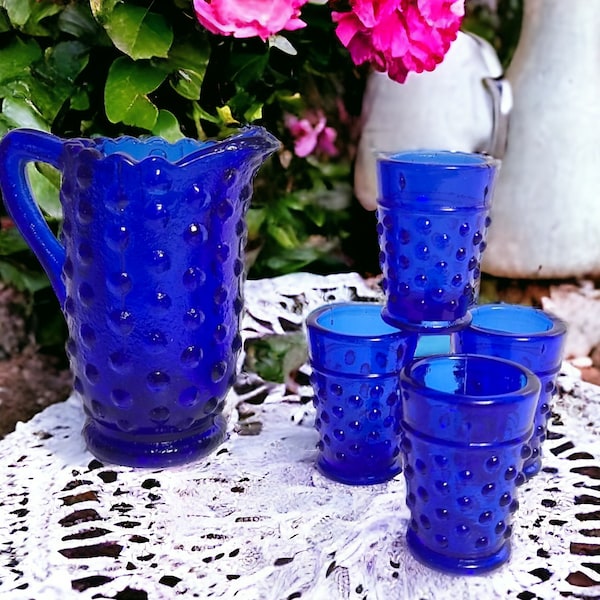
point(356, 358)
point(466, 423)
point(433, 217)
point(150, 277)
point(530, 337)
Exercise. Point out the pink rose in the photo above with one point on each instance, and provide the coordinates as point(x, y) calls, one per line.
point(399, 36)
point(312, 134)
point(249, 18)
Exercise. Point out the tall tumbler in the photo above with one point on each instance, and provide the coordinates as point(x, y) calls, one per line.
point(432, 223)
point(466, 420)
point(529, 336)
point(356, 359)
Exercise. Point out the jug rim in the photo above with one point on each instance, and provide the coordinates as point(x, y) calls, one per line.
point(251, 137)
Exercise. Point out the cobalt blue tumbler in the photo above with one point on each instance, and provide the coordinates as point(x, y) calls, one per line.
point(432, 223)
point(529, 336)
point(356, 358)
point(466, 420)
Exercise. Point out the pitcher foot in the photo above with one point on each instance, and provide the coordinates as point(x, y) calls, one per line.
point(141, 451)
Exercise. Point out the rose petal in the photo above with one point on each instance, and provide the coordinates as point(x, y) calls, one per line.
point(249, 18)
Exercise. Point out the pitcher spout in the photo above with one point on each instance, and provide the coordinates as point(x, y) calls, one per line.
point(252, 145)
point(255, 139)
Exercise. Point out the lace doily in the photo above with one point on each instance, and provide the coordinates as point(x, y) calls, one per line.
point(255, 520)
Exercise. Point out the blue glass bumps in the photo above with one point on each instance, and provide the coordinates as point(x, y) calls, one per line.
point(529, 336)
point(356, 358)
point(432, 223)
point(149, 270)
point(466, 421)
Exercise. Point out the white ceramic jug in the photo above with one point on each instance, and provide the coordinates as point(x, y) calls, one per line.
point(546, 208)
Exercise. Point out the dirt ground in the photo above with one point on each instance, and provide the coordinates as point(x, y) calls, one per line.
point(30, 381)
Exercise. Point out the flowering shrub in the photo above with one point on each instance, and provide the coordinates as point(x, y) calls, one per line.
point(311, 134)
point(201, 68)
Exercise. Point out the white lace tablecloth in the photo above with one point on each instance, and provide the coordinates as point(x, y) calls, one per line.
point(255, 520)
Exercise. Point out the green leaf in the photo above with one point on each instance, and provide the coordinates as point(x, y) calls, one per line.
point(292, 102)
point(248, 68)
point(247, 105)
point(4, 21)
point(284, 236)
point(78, 21)
point(5, 125)
point(27, 15)
point(25, 280)
point(316, 214)
point(139, 33)
point(80, 100)
point(53, 79)
point(200, 113)
point(190, 54)
point(255, 217)
point(101, 9)
point(275, 357)
point(26, 94)
point(17, 57)
point(188, 83)
point(67, 60)
point(167, 126)
point(125, 93)
point(289, 261)
point(254, 112)
point(45, 192)
point(22, 113)
point(189, 61)
point(39, 11)
point(18, 11)
point(11, 242)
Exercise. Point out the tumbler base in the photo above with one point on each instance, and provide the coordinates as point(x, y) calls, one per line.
point(451, 564)
point(426, 326)
point(148, 451)
point(357, 478)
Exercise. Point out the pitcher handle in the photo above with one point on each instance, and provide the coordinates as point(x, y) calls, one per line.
point(18, 148)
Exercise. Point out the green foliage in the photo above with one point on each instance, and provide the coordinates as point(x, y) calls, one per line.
point(276, 357)
point(137, 32)
point(140, 67)
point(126, 93)
point(137, 67)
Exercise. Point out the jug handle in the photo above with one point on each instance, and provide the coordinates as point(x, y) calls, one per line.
point(18, 148)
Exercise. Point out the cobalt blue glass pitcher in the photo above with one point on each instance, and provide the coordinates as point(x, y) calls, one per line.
point(148, 270)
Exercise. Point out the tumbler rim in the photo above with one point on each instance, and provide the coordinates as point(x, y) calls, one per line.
point(390, 332)
point(448, 159)
point(558, 326)
point(531, 386)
